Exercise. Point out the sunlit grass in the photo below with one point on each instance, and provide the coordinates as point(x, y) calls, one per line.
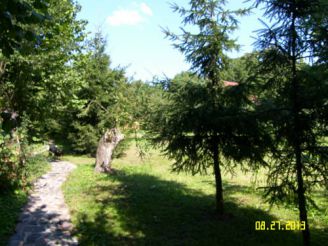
point(145, 203)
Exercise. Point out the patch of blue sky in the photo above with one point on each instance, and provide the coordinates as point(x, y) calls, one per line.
point(135, 37)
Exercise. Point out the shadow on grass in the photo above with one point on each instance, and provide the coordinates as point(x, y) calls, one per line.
point(231, 188)
point(144, 210)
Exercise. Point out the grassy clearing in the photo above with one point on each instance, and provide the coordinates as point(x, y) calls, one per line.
point(145, 204)
point(12, 202)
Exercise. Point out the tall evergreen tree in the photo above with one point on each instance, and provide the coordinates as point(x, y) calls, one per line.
point(206, 50)
point(296, 99)
point(103, 95)
point(202, 121)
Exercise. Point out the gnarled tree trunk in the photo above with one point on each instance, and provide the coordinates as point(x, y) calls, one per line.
point(105, 149)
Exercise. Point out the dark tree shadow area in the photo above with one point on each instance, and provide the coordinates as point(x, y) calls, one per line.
point(157, 212)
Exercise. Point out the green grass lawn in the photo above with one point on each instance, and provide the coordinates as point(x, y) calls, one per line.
point(12, 202)
point(143, 203)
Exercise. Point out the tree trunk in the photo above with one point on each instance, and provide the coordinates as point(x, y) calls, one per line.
point(218, 180)
point(2, 68)
point(105, 149)
point(296, 136)
point(301, 198)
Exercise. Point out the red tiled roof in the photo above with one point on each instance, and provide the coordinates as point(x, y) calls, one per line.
point(230, 83)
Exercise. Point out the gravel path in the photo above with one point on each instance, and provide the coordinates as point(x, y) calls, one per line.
point(45, 219)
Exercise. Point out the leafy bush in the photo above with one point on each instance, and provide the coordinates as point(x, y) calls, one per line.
point(18, 166)
point(12, 163)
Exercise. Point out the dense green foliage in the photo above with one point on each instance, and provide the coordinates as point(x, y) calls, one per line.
point(192, 114)
point(13, 160)
point(103, 96)
point(41, 82)
point(37, 77)
point(16, 19)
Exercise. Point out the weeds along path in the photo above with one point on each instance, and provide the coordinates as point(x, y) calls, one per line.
point(45, 220)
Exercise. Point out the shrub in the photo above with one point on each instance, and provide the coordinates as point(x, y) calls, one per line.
point(11, 163)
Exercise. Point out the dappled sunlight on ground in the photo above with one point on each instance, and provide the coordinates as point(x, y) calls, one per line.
point(145, 203)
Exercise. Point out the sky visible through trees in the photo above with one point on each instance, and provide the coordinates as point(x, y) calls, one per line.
point(144, 29)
